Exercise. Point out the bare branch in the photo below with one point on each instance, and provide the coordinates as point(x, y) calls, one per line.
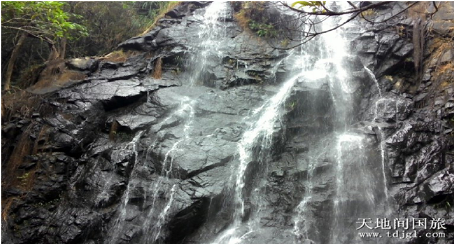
point(351, 4)
point(436, 9)
point(332, 13)
point(309, 36)
point(44, 38)
point(324, 7)
point(383, 21)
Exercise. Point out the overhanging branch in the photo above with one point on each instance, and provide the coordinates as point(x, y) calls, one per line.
point(334, 13)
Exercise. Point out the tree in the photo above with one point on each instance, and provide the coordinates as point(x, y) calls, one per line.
point(110, 23)
point(43, 20)
point(57, 30)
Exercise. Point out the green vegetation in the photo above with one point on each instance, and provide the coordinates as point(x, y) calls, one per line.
point(157, 10)
point(36, 32)
point(24, 178)
point(263, 29)
point(252, 16)
point(45, 21)
point(314, 5)
point(290, 105)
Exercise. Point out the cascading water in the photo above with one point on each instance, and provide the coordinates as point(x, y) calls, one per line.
point(210, 36)
point(357, 189)
point(372, 76)
point(118, 224)
point(164, 183)
point(158, 205)
point(354, 190)
point(355, 195)
point(253, 151)
point(258, 137)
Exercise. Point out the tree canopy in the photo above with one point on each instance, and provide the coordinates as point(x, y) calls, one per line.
point(45, 20)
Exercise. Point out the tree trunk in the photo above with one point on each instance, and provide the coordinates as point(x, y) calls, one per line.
point(63, 48)
point(53, 52)
point(12, 60)
point(57, 50)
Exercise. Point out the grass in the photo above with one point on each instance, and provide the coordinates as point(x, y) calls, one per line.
point(162, 12)
point(57, 75)
point(242, 19)
point(443, 72)
point(157, 71)
point(119, 56)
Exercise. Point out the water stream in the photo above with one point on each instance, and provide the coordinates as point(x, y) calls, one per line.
point(119, 222)
point(355, 189)
point(208, 51)
point(164, 186)
point(372, 76)
point(210, 35)
point(257, 138)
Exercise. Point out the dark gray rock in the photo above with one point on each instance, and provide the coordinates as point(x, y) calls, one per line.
point(127, 158)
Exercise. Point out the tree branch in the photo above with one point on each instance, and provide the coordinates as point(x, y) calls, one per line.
point(332, 13)
point(309, 36)
point(351, 4)
point(436, 9)
point(44, 38)
point(383, 21)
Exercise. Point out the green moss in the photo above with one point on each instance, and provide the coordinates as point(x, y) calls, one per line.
point(24, 178)
point(263, 29)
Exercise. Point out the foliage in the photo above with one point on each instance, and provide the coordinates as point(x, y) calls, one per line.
point(263, 29)
point(314, 5)
point(74, 29)
point(154, 9)
point(252, 16)
point(108, 24)
point(44, 20)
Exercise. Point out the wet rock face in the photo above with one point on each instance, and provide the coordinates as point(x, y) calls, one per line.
point(413, 115)
point(127, 157)
point(100, 165)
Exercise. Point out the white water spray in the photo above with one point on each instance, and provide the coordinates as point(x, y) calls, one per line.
point(123, 208)
point(372, 76)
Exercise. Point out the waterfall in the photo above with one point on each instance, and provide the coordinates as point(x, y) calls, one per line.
point(304, 219)
point(353, 188)
point(372, 76)
point(381, 105)
point(254, 149)
point(186, 113)
point(258, 137)
point(119, 222)
point(357, 189)
point(210, 37)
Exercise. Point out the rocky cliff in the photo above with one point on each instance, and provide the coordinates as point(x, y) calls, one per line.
point(142, 149)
